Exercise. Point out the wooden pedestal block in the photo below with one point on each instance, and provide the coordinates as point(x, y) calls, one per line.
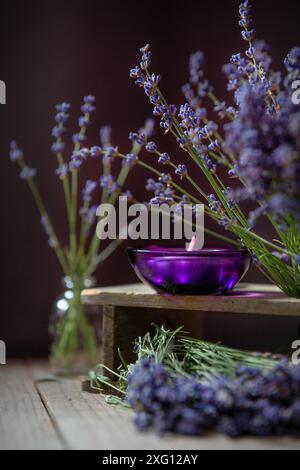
point(252, 317)
point(122, 325)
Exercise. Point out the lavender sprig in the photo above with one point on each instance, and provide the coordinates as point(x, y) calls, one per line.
point(259, 147)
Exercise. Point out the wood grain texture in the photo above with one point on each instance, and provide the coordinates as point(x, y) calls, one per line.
point(24, 422)
point(246, 299)
point(86, 422)
point(57, 415)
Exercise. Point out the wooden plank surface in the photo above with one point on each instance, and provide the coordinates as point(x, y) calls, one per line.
point(24, 422)
point(57, 415)
point(87, 422)
point(247, 298)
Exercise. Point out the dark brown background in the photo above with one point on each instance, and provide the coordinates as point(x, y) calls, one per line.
point(60, 50)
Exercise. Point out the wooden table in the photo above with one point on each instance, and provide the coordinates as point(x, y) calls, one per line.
point(129, 311)
point(38, 412)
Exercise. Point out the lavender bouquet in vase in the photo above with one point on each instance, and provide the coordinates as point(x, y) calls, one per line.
point(255, 139)
point(74, 337)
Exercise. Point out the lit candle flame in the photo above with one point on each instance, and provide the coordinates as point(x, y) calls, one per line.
point(192, 244)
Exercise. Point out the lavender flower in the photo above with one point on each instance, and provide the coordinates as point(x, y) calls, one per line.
point(95, 151)
point(269, 154)
point(197, 63)
point(78, 157)
point(88, 104)
point(164, 159)
point(58, 147)
point(27, 173)
point(78, 138)
point(52, 241)
point(110, 153)
point(84, 121)
point(255, 402)
point(63, 107)
point(61, 118)
point(151, 185)
point(181, 171)
point(149, 127)
point(151, 147)
point(58, 131)
point(62, 171)
point(128, 194)
point(292, 61)
point(89, 99)
point(138, 138)
point(105, 137)
point(88, 190)
point(165, 178)
point(107, 182)
point(90, 218)
point(15, 153)
point(130, 159)
point(214, 146)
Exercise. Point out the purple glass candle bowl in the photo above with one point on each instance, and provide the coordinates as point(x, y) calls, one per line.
point(175, 271)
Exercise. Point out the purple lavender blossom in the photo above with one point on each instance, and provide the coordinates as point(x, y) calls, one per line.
point(89, 99)
point(149, 127)
point(130, 159)
point(138, 138)
point(58, 147)
point(61, 118)
point(95, 151)
point(106, 181)
point(165, 178)
point(78, 157)
point(164, 159)
point(214, 146)
point(88, 105)
point(15, 153)
point(58, 131)
point(52, 241)
point(181, 171)
point(62, 171)
point(255, 402)
point(84, 121)
point(27, 173)
point(88, 190)
point(128, 194)
point(87, 108)
point(90, 218)
point(150, 186)
point(63, 107)
point(105, 136)
point(78, 138)
point(197, 63)
point(109, 154)
point(269, 153)
point(151, 147)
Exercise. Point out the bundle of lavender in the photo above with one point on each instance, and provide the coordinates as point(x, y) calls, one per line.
point(84, 252)
point(256, 139)
point(188, 386)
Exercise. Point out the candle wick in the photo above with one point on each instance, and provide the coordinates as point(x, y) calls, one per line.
point(192, 244)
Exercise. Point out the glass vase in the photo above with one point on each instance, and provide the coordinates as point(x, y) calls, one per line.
point(75, 330)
